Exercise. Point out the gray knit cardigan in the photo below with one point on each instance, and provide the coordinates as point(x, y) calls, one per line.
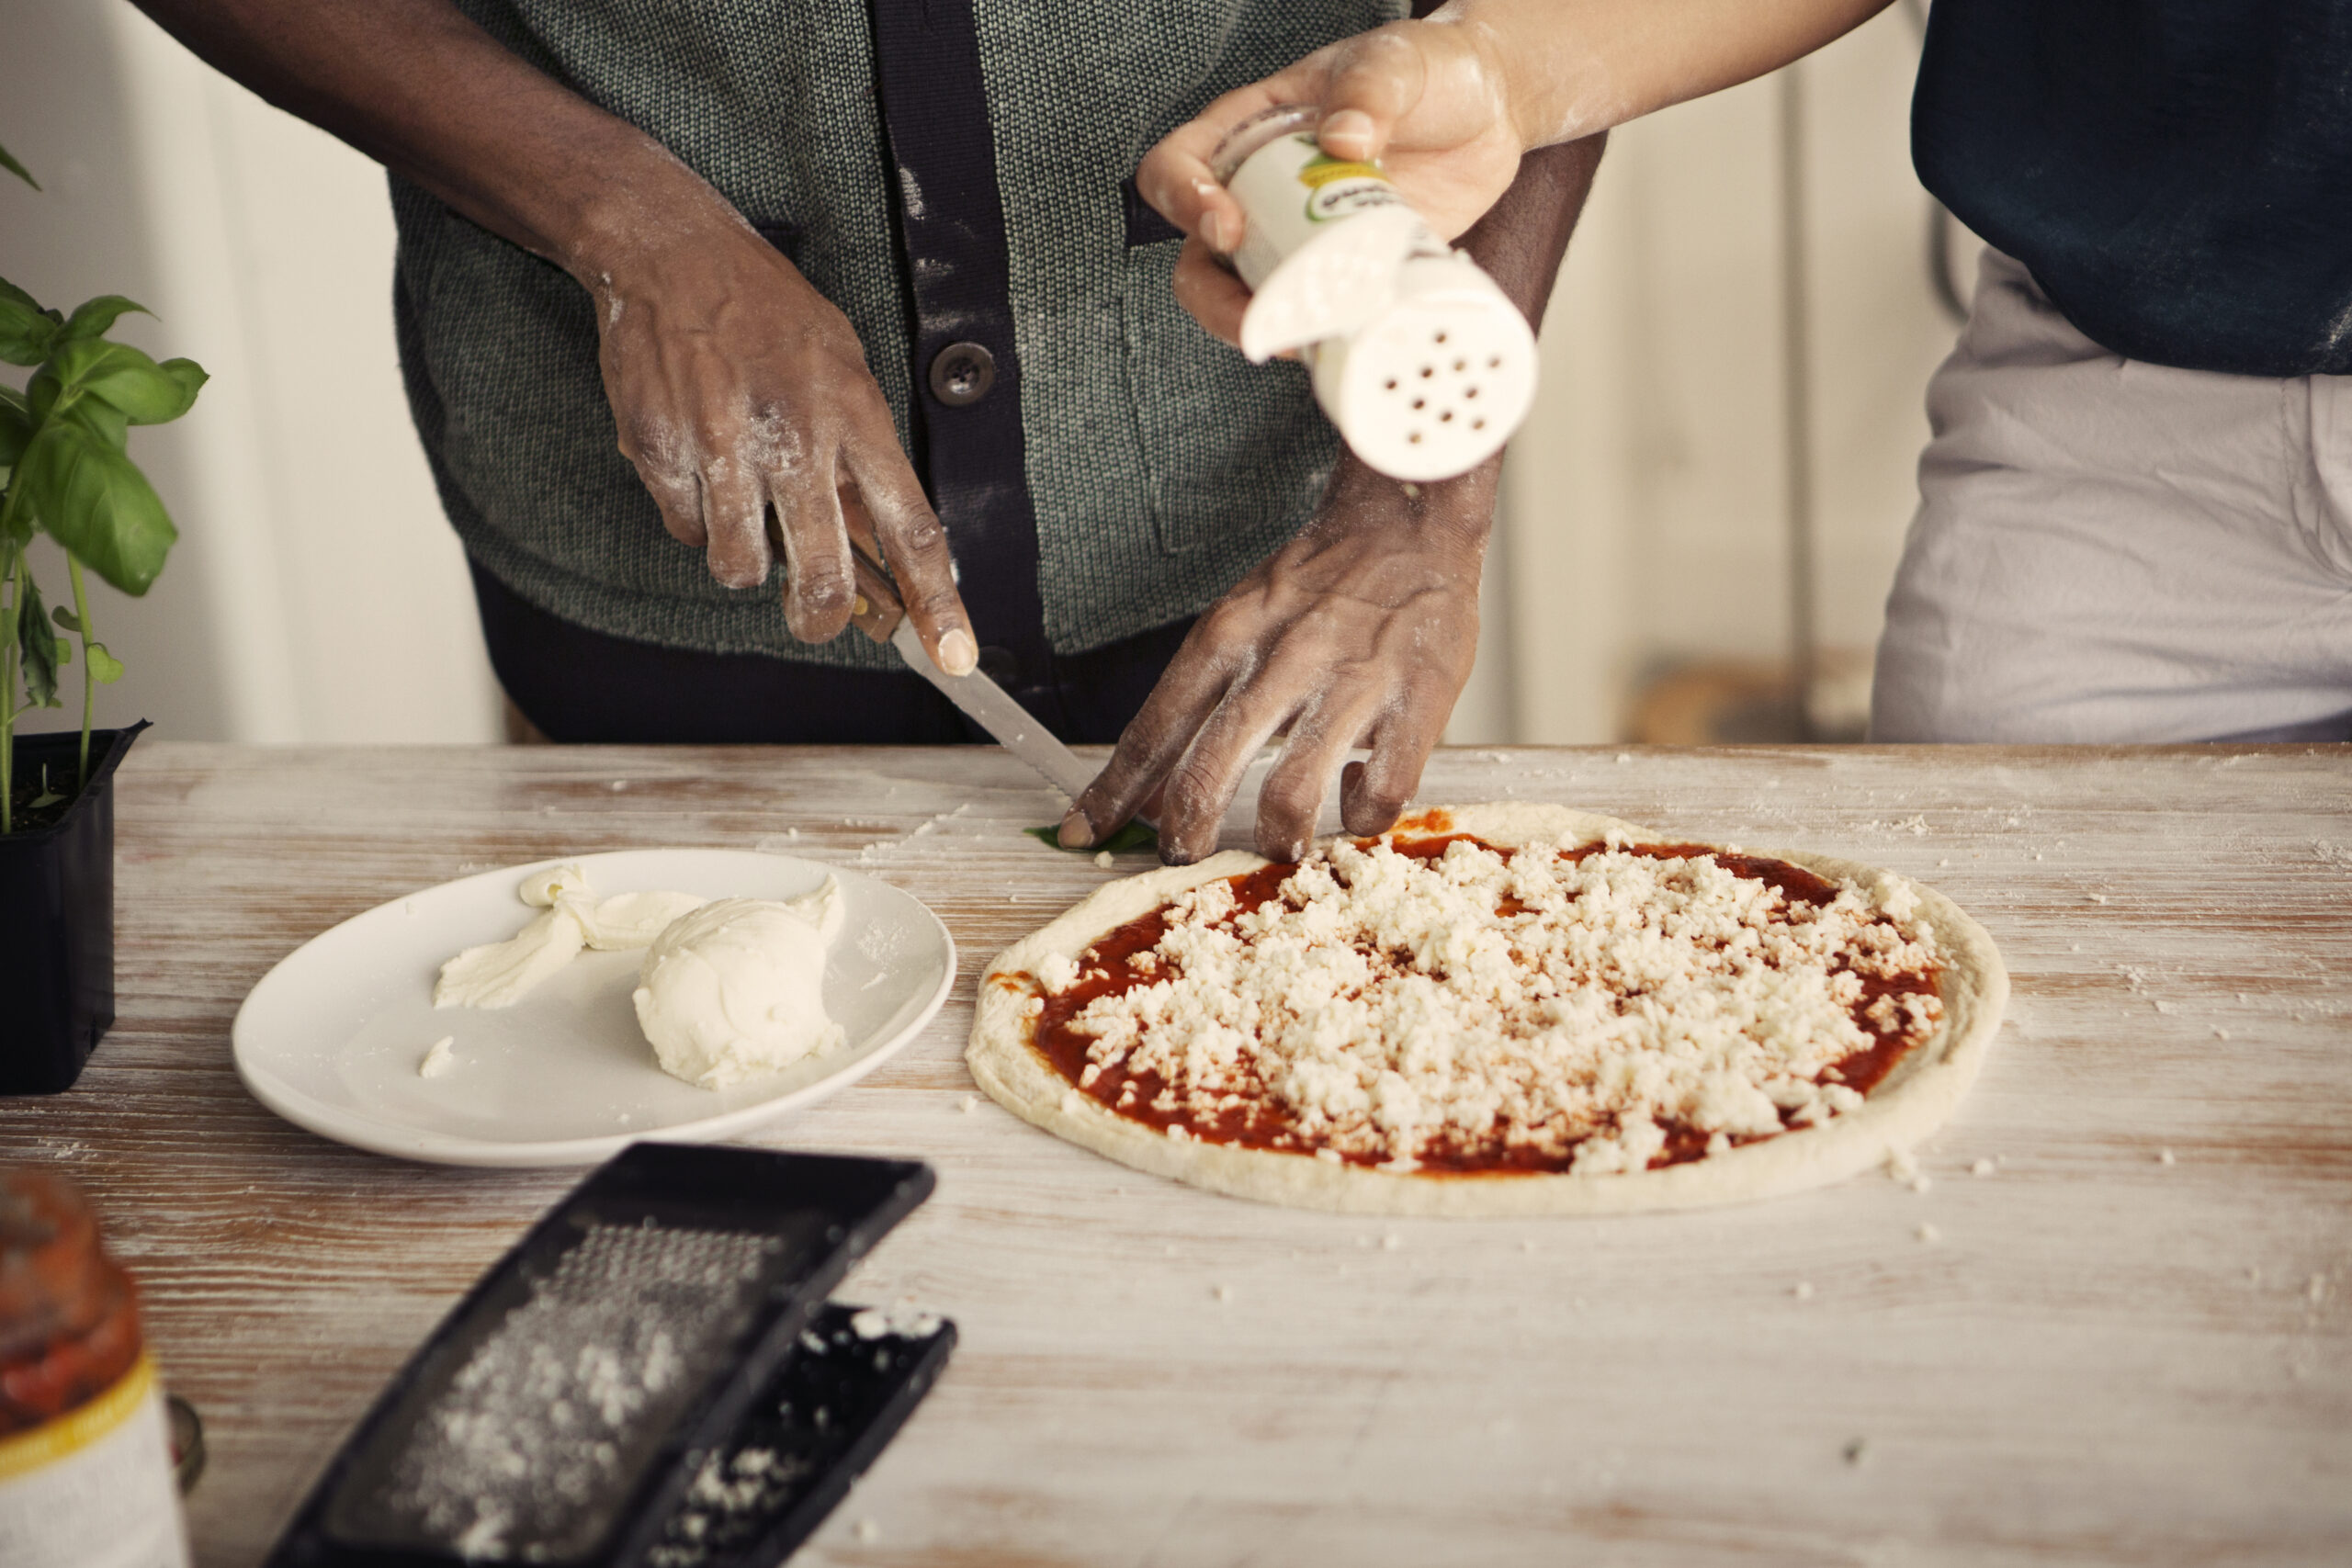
point(1161, 466)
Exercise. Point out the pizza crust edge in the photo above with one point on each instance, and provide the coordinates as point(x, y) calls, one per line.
point(1910, 1103)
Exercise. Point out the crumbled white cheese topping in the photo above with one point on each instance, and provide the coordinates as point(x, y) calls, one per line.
point(1058, 971)
point(1387, 1008)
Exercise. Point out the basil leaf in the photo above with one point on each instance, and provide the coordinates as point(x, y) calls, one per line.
point(24, 522)
point(189, 374)
point(104, 668)
point(17, 169)
point(101, 419)
point(93, 501)
point(66, 618)
point(145, 391)
point(93, 317)
point(39, 645)
point(1132, 836)
point(26, 330)
point(40, 393)
point(16, 427)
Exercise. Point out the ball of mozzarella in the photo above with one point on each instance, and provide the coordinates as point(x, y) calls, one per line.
point(735, 989)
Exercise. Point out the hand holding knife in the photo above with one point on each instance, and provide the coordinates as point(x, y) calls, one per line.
point(878, 613)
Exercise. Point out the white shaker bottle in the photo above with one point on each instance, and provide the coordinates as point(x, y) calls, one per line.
point(1418, 357)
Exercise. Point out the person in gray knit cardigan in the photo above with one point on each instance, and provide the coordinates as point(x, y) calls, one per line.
point(689, 298)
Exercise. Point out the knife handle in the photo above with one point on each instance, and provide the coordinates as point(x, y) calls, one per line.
point(876, 611)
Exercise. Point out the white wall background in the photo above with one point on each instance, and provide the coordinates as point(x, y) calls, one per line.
point(317, 594)
point(1647, 518)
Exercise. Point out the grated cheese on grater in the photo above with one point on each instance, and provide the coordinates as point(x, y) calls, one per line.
point(1487, 1008)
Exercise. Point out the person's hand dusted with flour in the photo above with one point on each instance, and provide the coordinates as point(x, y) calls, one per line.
point(741, 393)
point(1361, 631)
point(689, 298)
point(738, 393)
point(2136, 512)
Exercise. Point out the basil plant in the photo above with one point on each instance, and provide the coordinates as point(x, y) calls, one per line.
point(66, 474)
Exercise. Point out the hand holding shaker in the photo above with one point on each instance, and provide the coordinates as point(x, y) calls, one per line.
point(1418, 356)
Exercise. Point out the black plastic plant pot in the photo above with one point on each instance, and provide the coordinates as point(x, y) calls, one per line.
point(57, 918)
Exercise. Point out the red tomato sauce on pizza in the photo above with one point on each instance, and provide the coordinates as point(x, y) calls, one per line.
point(1110, 969)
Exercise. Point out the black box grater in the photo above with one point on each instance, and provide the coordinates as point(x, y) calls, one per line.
point(591, 1397)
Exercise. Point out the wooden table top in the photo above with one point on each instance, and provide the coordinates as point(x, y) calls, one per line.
point(2129, 1342)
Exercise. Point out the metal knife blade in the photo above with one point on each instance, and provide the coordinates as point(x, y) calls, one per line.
point(991, 707)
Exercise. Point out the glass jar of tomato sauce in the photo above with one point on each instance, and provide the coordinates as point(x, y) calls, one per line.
point(85, 1465)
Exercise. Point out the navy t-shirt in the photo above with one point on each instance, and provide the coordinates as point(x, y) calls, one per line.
point(2177, 174)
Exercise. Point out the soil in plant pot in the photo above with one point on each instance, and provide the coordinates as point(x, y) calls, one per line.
point(42, 795)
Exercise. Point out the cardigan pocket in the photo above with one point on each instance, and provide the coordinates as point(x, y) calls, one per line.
point(1235, 454)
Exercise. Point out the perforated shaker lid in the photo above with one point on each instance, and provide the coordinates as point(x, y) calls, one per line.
point(1436, 382)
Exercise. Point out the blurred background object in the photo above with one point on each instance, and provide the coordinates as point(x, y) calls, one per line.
point(1701, 515)
point(317, 594)
point(1704, 509)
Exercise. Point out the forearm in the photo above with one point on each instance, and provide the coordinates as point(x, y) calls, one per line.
point(1521, 242)
point(1521, 239)
point(422, 89)
point(1570, 68)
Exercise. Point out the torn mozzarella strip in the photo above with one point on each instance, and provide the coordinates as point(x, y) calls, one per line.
point(549, 883)
point(631, 919)
point(500, 974)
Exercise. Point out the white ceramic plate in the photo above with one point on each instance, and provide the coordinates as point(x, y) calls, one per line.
point(330, 1039)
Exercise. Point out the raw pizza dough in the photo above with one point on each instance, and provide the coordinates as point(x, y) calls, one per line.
point(1908, 1104)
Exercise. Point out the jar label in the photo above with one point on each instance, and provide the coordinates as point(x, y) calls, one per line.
point(1293, 191)
point(94, 1487)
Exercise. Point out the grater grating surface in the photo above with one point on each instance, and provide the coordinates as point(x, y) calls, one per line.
point(522, 1455)
point(565, 1407)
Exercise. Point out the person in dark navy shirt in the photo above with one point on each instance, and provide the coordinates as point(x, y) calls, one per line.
point(2135, 515)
